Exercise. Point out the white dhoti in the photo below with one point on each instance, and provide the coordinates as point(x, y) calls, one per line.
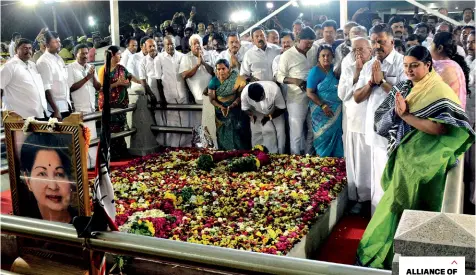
point(92, 151)
point(378, 161)
point(208, 119)
point(176, 118)
point(358, 167)
point(272, 134)
point(298, 118)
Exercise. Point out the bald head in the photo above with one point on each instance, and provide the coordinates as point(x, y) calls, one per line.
point(151, 47)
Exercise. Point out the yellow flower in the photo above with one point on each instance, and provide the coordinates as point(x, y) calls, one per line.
point(150, 226)
point(272, 234)
point(259, 147)
point(170, 195)
point(257, 162)
point(139, 222)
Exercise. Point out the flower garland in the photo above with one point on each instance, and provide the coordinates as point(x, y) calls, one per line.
point(26, 124)
point(267, 211)
point(242, 160)
point(86, 135)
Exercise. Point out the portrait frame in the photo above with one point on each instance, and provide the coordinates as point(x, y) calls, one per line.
point(71, 130)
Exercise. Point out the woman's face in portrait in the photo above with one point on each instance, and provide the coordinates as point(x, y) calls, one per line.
point(49, 184)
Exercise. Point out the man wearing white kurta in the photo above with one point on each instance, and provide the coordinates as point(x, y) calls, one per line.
point(21, 84)
point(195, 68)
point(294, 67)
point(357, 156)
point(83, 84)
point(235, 52)
point(264, 103)
point(375, 82)
point(257, 62)
point(11, 48)
point(134, 61)
point(131, 49)
point(55, 77)
point(173, 91)
point(287, 41)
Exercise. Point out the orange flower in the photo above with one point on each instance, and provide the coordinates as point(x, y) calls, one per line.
point(87, 136)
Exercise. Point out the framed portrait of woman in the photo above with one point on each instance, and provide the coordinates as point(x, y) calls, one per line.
point(48, 175)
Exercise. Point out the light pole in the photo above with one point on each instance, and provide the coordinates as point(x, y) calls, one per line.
point(55, 21)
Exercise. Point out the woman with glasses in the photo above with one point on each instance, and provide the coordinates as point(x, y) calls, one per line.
point(427, 130)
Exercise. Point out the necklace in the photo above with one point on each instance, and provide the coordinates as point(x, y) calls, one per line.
point(324, 69)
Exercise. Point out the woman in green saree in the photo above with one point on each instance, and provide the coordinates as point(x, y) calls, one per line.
point(427, 130)
point(224, 90)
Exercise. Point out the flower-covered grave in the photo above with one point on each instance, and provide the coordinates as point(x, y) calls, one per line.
point(268, 210)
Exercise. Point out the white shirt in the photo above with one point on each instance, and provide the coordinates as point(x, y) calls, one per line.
point(167, 69)
point(355, 113)
point(392, 67)
point(469, 23)
point(275, 65)
point(125, 57)
point(338, 53)
point(199, 81)
point(133, 63)
point(294, 64)
point(84, 98)
point(23, 87)
point(258, 63)
point(11, 48)
point(272, 99)
point(55, 78)
point(239, 55)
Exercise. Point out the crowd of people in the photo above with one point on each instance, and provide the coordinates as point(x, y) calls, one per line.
point(396, 100)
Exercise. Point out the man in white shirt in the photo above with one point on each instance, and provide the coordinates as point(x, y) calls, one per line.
point(468, 17)
point(131, 49)
point(422, 30)
point(21, 84)
point(257, 62)
point(195, 68)
point(11, 49)
point(297, 27)
point(217, 46)
point(273, 37)
point(329, 32)
point(264, 104)
point(287, 41)
point(55, 77)
point(294, 67)
point(343, 49)
point(83, 84)
point(375, 82)
point(357, 157)
point(235, 52)
point(147, 71)
point(172, 90)
point(134, 61)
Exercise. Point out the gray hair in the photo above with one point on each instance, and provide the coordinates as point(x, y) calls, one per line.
point(361, 39)
point(361, 30)
point(195, 37)
point(171, 38)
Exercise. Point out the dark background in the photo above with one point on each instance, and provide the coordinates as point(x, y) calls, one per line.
point(72, 16)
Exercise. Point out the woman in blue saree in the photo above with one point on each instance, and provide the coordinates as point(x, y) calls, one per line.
point(325, 106)
point(224, 90)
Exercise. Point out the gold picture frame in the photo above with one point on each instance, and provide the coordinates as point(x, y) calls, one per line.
point(41, 180)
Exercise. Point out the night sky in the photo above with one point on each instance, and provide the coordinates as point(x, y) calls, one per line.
point(73, 16)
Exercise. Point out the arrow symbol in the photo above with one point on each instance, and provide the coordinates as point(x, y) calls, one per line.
point(454, 262)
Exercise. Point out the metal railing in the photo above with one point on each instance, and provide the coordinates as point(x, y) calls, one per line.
point(98, 115)
point(180, 107)
point(453, 196)
point(160, 249)
point(171, 129)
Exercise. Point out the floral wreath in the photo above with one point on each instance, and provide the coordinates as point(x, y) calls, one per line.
point(241, 160)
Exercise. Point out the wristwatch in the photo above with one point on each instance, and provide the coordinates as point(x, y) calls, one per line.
point(382, 82)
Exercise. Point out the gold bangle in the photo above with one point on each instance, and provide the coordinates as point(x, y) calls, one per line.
point(324, 106)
